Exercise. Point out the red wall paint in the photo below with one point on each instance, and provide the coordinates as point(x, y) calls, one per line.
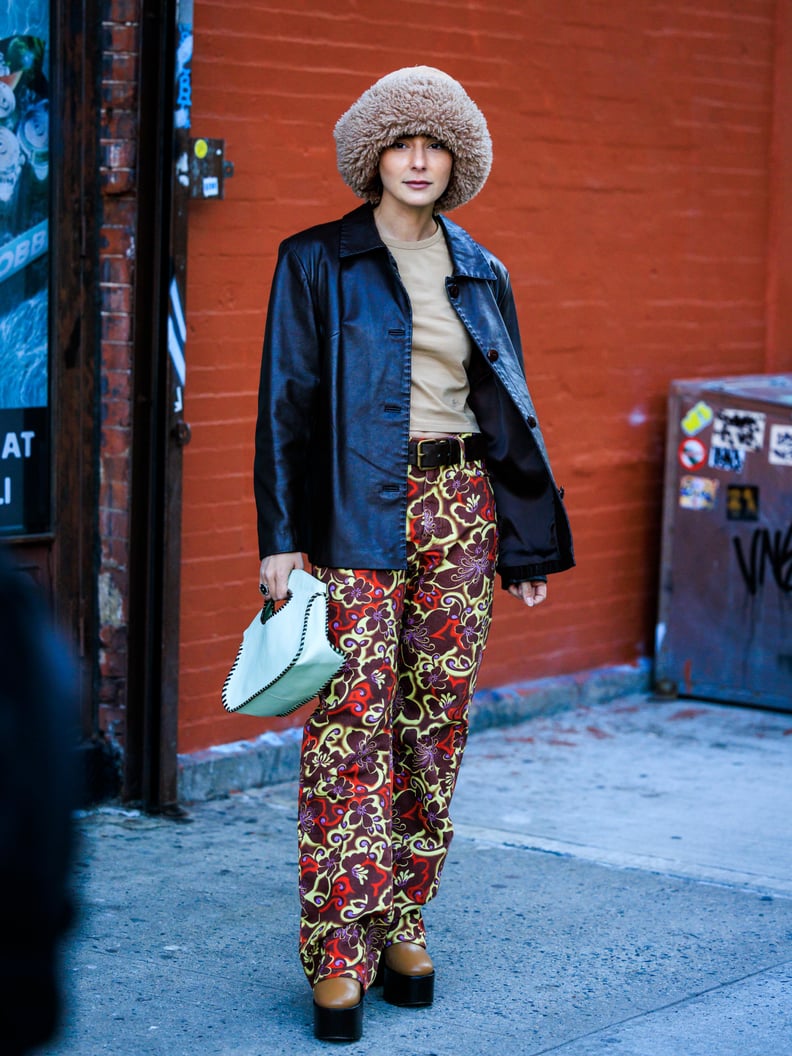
point(779, 264)
point(629, 198)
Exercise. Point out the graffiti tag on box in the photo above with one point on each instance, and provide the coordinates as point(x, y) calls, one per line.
point(767, 549)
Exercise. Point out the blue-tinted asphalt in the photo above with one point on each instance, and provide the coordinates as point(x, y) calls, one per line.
point(620, 882)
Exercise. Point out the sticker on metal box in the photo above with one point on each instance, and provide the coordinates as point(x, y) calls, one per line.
point(727, 458)
point(738, 429)
point(697, 418)
point(780, 453)
point(692, 453)
point(697, 493)
point(742, 502)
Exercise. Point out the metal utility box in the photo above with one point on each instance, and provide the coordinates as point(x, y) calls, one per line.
point(207, 168)
point(724, 629)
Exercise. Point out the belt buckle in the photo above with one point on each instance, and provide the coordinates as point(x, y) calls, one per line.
point(419, 454)
point(444, 448)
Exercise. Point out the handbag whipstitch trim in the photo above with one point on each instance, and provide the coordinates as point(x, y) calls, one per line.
point(286, 656)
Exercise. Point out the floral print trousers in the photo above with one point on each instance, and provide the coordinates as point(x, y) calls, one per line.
point(381, 752)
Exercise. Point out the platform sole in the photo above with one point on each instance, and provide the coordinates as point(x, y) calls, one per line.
point(408, 991)
point(338, 1024)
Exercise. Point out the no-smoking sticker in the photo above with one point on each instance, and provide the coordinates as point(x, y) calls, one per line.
point(692, 453)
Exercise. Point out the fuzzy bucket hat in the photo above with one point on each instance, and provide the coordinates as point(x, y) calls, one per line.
point(415, 101)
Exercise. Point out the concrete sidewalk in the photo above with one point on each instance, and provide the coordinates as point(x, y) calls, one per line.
point(620, 881)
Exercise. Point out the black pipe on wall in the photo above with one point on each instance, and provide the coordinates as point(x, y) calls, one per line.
point(150, 763)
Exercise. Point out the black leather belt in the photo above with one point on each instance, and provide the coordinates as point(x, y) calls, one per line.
point(447, 451)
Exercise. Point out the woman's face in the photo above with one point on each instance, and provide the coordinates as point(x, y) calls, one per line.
point(415, 170)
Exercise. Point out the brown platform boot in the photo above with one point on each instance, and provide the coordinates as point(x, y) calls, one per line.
point(338, 1009)
point(408, 975)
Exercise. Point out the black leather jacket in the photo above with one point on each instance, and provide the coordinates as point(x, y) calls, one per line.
point(334, 405)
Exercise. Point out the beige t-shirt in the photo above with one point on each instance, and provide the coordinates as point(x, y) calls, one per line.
point(441, 346)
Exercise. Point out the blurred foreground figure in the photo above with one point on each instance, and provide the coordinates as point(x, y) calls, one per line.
point(37, 716)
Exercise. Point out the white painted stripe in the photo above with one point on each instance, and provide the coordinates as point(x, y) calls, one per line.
point(176, 353)
point(178, 314)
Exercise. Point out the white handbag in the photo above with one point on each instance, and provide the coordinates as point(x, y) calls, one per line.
point(285, 657)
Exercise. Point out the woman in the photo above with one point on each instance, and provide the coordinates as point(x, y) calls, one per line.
point(397, 446)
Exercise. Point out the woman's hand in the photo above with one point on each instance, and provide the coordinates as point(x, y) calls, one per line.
point(274, 573)
point(529, 592)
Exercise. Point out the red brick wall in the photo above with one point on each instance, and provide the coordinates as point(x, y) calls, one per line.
point(629, 197)
point(118, 127)
point(779, 264)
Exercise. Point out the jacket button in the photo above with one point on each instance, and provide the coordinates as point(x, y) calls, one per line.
point(492, 355)
point(453, 290)
point(531, 421)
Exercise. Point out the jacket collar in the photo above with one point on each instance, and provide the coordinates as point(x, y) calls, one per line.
point(359, 235)
point(467, 255)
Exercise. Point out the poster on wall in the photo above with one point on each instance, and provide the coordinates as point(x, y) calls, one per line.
point(24, 268)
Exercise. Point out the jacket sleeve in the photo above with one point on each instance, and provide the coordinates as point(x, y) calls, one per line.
point(534, 536)
point(290, 368)
point(508, 311)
